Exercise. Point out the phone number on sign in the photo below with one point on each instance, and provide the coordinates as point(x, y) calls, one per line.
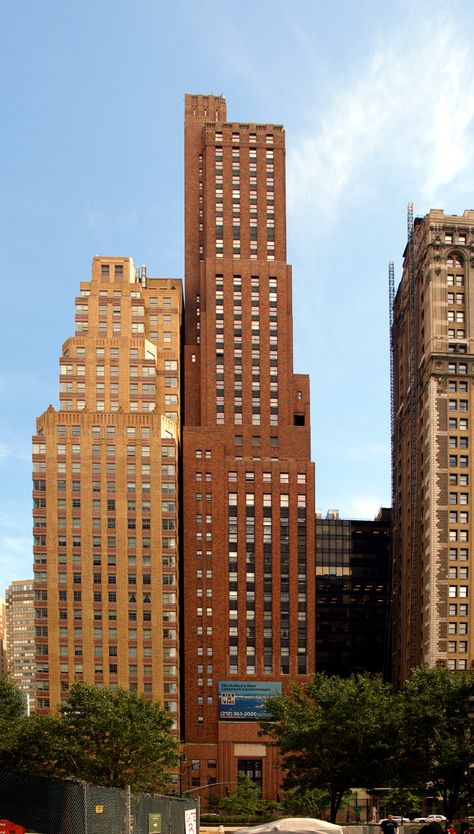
point(237, 714)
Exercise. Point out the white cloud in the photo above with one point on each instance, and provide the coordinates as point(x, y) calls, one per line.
point(407, 119)
point(16, 544)
point(8, 451)
point(362, 506)
point(448, 135)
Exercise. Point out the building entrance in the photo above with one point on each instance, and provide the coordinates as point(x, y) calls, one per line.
point(253, 768)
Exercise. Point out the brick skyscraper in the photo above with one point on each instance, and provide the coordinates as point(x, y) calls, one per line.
point(105, 494)
point(248, 495)
point(433, 369)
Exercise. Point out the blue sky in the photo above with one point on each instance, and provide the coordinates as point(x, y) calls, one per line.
point(378, 106)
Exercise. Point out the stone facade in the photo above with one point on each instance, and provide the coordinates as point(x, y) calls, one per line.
point(105, 493)
point(433, 353)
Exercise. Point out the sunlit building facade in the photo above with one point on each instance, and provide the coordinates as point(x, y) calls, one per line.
point(3, 638)
point(105, 494)
point(20, 639)
point(433, 370)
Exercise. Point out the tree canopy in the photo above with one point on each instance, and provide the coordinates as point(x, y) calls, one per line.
point(438, 736)
point(12, 705)
point(38, 745)
point(118, 738)
point(335, 733)
point(12, 711)
point(244, 801)
point(305, 802)
point(109, 737)
point(402, 801)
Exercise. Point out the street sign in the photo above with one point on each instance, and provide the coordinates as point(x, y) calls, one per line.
point(190, 820)
point(154, 823)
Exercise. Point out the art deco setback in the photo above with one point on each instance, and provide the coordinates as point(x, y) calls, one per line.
point(105, 494)
point(248, 496)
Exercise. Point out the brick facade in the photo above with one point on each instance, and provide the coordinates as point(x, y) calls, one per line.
point(105, 494)
point(248, 481)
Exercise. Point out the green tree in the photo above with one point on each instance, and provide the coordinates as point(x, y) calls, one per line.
point(306, 802)
point(438, 736)
point(31, 744)
point(116, 738)
point(246, 801)
point(402, 801)
point(39, 746)
point(12, 713)
point(104, 736)
point(243, 801)
point(335, 733)
point(12, 705)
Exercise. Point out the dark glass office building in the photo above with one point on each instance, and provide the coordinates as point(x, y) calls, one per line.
point(352, 594)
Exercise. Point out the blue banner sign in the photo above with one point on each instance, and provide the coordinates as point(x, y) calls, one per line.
point(244, 700)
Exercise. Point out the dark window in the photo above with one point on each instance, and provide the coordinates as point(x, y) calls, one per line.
point(252, 768)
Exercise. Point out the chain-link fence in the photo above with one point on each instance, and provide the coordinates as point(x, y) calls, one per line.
point(106, 810)
point(165, 814)
point(58, 806)
point(46, 806)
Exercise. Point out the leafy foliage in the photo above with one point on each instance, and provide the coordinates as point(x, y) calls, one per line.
point(244, 801)
point(40, 746)
point(245, 804)
point(309, 802)
point(12, 705)
point(12, 713)
point(335, 733)
point(402, 801)
point(438, 736)
point(107, 737)
point(118, 738)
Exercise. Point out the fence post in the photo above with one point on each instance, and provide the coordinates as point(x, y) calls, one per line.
point(128, 805)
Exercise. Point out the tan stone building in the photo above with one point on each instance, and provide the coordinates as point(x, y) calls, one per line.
point(3, 638)
point(433, 369)
point(20, 638)
point(105, 493)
